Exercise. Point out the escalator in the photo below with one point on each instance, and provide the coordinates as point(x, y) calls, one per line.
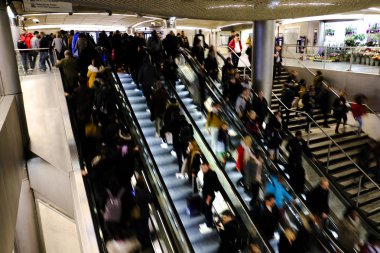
point(188, 68)
point(161, 237)
point(178, 190)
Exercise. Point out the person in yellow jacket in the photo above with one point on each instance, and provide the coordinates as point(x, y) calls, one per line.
point(213, 123)
point(92, 72)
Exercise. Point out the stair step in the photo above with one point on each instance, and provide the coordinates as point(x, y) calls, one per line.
point(315, 144)
point(371, 208)
point(369, 197)
point(346, 147)
point(340, 156)
point(375, 218)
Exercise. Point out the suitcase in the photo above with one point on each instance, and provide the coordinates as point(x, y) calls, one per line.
point(194, 203)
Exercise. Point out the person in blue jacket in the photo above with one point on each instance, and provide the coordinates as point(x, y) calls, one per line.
point(275, 187)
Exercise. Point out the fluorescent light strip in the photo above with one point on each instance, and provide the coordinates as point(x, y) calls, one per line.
point(192, 28)
point(80, 13)
point(325, 17)
point(68, 27)
point(142, 22)
point(227, 6)
point(224, 26)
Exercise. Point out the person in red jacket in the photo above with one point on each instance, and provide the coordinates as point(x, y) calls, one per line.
point(244, 153)
point(235, 46)
point(358, 111)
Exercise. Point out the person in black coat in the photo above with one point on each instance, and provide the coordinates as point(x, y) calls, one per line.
point(260, 106)
point(211, 64)
point(147, 77)
point(269, 217)
point(340, 111)
point(142, 199)
point(82, 100)
point(324, 104)
point(198, 52)
point(228, 232)
point(318, 199)
point(296, 147)
point(273, 135)
point(287, 242)
point(308, 100)
point(210, 186)
point(287, 98)
point(159, 100)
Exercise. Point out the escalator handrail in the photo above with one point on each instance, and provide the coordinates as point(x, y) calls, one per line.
point(144, 144)
point(237, 195)
point(241, 130)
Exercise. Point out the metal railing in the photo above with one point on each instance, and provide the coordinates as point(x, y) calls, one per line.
point(335, 188)
point(240, 59)
point(332, 141)
point(326, 85)
point(241, 131)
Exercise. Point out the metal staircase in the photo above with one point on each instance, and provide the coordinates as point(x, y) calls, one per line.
point(338, 155)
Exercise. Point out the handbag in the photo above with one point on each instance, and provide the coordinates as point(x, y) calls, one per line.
point(92, 130)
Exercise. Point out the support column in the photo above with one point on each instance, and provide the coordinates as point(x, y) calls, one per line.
point(263, 48)
point(9, 78)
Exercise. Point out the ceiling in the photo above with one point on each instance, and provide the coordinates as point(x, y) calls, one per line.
point(208, 14)
point(244, 10)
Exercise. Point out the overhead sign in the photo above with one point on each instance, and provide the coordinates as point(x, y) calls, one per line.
point(47, 6)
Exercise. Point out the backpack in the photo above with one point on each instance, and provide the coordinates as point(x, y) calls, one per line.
point(21, 44)
point(113, 208)
point(186, 133)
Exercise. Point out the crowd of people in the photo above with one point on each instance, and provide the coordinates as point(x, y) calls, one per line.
point(110, 152)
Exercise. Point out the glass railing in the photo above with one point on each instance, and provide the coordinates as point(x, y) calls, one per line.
point(230, 195)
point(181, 241)
point(29, 60)
point(354, 59)
point(231, 117)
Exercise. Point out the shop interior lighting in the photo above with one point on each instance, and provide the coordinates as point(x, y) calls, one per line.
point(374, 9)
point(10, 12)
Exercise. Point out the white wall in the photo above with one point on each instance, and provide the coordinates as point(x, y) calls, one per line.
point(11, 167)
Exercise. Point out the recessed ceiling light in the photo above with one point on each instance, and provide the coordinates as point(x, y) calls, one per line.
point(307, 4)
point(227, 6)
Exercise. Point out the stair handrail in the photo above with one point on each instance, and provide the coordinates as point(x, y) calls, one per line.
point(269, 162)
point(324, 83)
point(332, 141)
point(240, 58)
point(138, 132)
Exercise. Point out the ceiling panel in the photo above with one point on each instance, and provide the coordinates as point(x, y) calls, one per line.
point(244, 10)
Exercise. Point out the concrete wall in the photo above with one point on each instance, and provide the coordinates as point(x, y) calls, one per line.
point(352, 83)
point(11, 166)
point(305, 29)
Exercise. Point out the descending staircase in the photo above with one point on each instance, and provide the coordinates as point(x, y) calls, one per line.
point(341, 169)
point(178, 189)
